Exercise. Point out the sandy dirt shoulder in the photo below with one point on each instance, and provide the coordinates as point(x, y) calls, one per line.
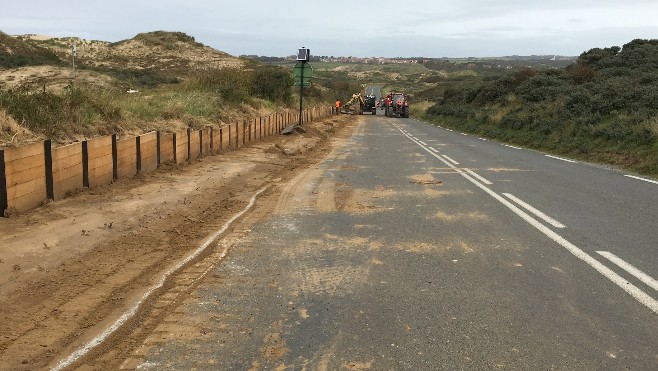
point(71, 267)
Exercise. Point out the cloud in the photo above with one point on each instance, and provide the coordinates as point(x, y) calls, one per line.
point(415, 27)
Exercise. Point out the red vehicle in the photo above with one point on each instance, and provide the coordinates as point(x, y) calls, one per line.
point(397, 105)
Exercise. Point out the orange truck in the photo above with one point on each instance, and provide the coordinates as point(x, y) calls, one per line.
point(397, 105)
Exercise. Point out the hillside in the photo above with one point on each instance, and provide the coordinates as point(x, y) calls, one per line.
point(156, 80)
point(16, 52)
point(173, 54)
point(148, 59)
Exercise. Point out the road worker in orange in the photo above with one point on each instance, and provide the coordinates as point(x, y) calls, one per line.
point(337, 106)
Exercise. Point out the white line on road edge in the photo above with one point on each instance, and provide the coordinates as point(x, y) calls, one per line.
point(562, 159)
point(618, 280)
point(538, 213)
point(478, 176)
point(463, 134)
point(484, 139)
point(132, 311)
point(423, 142)
point(433, 149)
point(648, 280)
point(638, 178)
point(507, 145)
point(451, 160)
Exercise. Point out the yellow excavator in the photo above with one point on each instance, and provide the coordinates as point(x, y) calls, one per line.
point(355, 104)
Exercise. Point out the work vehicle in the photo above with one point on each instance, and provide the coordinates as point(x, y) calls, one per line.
point(355, 104)
point(370, 104)
point(397, 105)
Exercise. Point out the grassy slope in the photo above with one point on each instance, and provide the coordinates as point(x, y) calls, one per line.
point(185, 84)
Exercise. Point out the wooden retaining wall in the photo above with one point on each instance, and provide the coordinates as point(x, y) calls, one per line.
point(147, 154)
point(99, 161)
point(25, 176)
point(67, 170)
point(36, 173)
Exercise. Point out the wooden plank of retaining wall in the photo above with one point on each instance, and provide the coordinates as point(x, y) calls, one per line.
point(238, 134)
point(166, 147)
point(3, 184)
point(230, 131)
point(226, 137)
point(25, 176)
point(67, 169)
point(216, 139)
point(181, 147)
point(126, 158)
point(100, 161)
point(195, 144)
point(208, 141)
point(148, 147)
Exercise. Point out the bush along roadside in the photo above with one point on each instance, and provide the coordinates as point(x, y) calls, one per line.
point(602, 108)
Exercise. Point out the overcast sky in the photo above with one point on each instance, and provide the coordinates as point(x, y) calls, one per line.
point(388, 28)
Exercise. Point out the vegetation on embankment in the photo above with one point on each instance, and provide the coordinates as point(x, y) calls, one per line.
point(603, 107)
point(41, 99)
point(209, 97)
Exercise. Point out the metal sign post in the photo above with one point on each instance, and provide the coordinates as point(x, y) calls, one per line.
point(301, 94)
point(304, 71)
point(74, 53)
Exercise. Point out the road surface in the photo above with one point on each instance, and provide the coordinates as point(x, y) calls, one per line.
point(413, 247)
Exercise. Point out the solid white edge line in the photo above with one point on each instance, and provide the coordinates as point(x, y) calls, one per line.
point(562, 159)
point(507, 145)
point(535, 211)
point(618, 280)
point(639, 178)
point(433, 149)
point(479, 177)
point(132, 311)
point(648, 280)
point(423, 143)
point(451, 160)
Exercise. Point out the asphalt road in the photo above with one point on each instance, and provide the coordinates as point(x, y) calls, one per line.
point(412, 247)
point(374, 90)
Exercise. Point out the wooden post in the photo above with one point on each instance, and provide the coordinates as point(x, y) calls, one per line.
point(212, 131)
point(85, 164)
point(48, 157)
point(138, 153)
point(115, 161)
point(236, 139)
point(189, 136)
point(3, 184)
point(157, 147)
point(175, 146)
point(200, 142)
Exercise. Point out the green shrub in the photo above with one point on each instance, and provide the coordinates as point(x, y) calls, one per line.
point(272, 83)
point(602, 107)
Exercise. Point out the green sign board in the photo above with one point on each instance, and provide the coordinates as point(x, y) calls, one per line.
point(297, 71)
point(307, 69)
